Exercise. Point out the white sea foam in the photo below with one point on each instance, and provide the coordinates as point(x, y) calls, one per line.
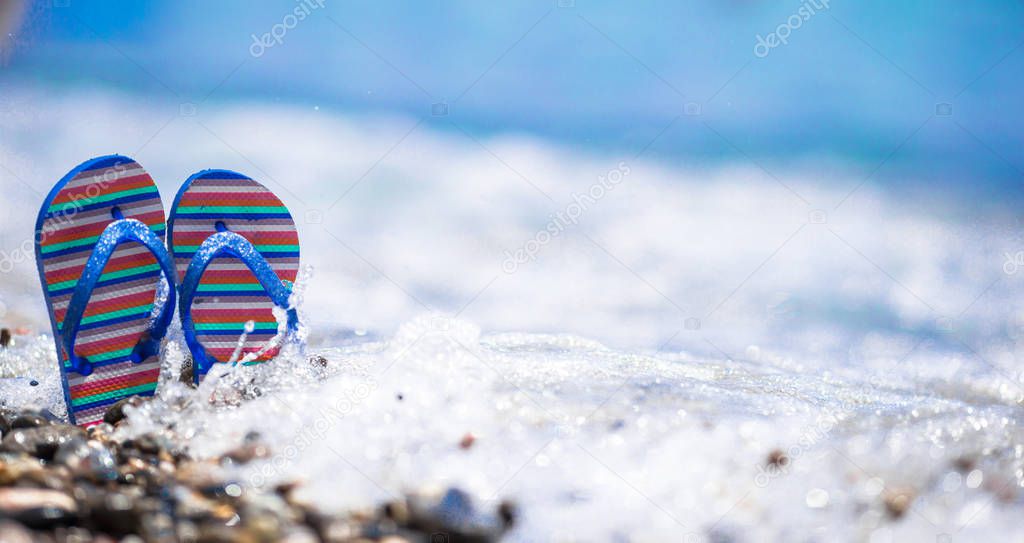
point(875, 344)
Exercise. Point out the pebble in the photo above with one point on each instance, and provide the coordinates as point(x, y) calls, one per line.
point(247, 452)
point(87, 459)
point(898, 501)
point(455, 513)
point(37, 508)
point(59, 483)
point(115, 413)
point(777, 459)
point(12, 532)
point(41, 441)
point(30, 420)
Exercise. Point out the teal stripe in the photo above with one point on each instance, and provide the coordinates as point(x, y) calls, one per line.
point(260, 248)
point(157, 228)
point(239, 326)
point(142, 309)
point(106, 356)
point(234, 287)
point(79, 203)
point(249, 210)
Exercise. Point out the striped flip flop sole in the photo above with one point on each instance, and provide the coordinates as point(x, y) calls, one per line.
point(119, 311)
point(228, 294)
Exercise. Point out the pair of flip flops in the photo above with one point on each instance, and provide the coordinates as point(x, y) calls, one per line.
point(112, 285)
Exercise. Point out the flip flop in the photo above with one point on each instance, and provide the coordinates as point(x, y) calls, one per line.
point(100, 253)
point(236, 250)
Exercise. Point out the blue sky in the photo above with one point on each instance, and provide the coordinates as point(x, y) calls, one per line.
point(857, 85)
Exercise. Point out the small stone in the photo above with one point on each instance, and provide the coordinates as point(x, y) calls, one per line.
point(287, 492)
point(397, 511)
point(220, 533)
point(87, 459)
point(41, 442)
point(247, 452)
point(467, 441)
point(19, 468)
point(300, 534)
point(193, 505)
point(150, 445)
point(777, 459)
point(101, 432)
point(12, 532)
point(115, 413)
point(29, 420)
point(184, 530)
point(160, 526)
point(964, 464)
point(185, 376)
point(37, 508)
point(456, 506)
point(508, 512)
point(898, 501)
point(455, 514)
point(335, 530)
point(114, 513)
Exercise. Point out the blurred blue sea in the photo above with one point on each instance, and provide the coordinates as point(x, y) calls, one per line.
point(906, 94)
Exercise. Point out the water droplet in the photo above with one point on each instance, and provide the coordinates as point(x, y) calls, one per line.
point(974, 479)
point(816, 498)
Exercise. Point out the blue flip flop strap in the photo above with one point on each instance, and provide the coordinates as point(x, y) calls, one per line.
point(114, 234)
point(231, 244)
